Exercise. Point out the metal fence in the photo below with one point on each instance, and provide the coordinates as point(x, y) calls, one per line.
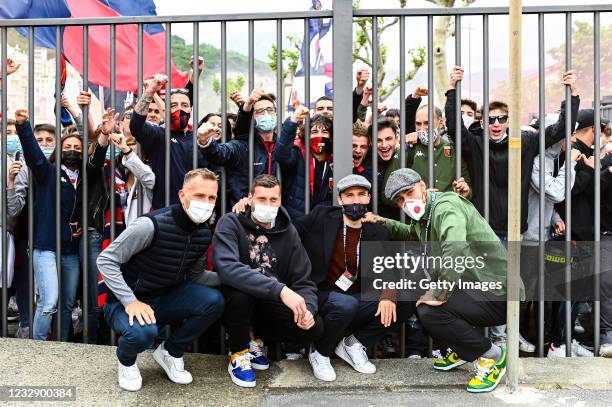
point(342, 16)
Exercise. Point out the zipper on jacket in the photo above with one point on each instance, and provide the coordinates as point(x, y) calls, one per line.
point(184, 255)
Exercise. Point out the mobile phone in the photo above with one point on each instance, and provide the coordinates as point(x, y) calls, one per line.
point(18, 156)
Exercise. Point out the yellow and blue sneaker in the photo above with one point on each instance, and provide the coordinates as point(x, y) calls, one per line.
point(259, 359)
point(488, 374)
point(240, 370)
point(450, 362)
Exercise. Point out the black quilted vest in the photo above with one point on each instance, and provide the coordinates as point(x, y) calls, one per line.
point(176, 246)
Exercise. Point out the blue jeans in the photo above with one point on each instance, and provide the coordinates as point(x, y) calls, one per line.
point(94, 247)
point(345, 312)
point(45, 274)
point(195, 306)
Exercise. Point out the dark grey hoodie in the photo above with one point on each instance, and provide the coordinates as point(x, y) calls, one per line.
point(259, 261)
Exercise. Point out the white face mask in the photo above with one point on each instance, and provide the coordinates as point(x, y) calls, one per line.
point(467, 120)
point(414, 208)
point(424, 136)
point(265, 213)
point(200, 212)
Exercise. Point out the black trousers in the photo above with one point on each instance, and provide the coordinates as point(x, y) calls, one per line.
point(271, 319)
point(457, 323)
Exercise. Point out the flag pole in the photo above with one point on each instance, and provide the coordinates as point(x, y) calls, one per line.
point(514, 196)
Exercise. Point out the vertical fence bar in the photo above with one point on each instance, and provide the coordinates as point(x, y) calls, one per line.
point(279, 84)
point(167, 118)
point(251, 87)
point(222, 347)
point(485, 112)
point(58, 169)
point(542, 237)
point(343, 115)
point(568, 189)
point(3, 163)
point(430, 102)
point(597, 220)
point(459, 119)
point(140, 80)
point(196, 93)
point(84, 188)
point(485, 119)
point(402, 90)
point(308, 161)
point(31, 187)
point(375, 191)
point(113, 103)
point(223, 108)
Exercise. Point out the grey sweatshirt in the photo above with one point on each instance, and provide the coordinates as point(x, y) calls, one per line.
point(16, 197)
point(554, 191)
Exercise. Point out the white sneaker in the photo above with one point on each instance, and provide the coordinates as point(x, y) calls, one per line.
point(579, 350)
point(129, 377)
point(556, 351)
point(356, 356)
point(321, 366)
point(174, 367)
point(525, 345)
point(605, 350)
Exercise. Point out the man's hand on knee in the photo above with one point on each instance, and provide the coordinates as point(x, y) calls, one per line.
point(143, 313)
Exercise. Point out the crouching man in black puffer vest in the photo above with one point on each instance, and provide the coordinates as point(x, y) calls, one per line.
point(147, 268)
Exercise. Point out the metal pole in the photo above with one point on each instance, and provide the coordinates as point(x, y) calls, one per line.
point(196, 93)
point(375, 61)
point(485, 114)
point(597, 220)
point(167, 118)
point(58, 185)
point(542, 237)
point(140, 80)
point(514, 195)
point(343, 115)
point(223, 113)
point(402, 90)
point(568, 190)
point(251, 87)
point(308, 157)
point(31, 187)
point(430, 102)
point(3, 163)
point(113, 162)
point(84, 202)
point(459, 119)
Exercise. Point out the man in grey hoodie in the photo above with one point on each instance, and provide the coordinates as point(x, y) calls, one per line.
point(266, 275)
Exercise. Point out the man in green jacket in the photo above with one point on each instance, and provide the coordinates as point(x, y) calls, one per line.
point(460, 299)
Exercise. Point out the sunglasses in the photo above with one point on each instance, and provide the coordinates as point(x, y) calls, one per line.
point(502, 119)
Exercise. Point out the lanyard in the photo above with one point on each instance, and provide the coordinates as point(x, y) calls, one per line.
point(427, 226)
point(353, 278)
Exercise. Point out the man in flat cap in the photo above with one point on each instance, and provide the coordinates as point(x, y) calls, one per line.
point(453, 313)
point(332, 237)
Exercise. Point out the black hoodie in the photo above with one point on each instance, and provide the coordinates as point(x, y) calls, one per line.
point(259, 261)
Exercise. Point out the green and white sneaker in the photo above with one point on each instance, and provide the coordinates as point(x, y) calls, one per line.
point(450, 362)
point(488, 374)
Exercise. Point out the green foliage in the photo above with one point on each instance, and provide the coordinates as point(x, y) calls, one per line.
point(289, 56)
point(233, 84)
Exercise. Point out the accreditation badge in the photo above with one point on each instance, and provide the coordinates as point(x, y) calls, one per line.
point(345, 281)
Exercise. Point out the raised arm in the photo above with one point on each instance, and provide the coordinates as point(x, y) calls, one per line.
point(35, 159)
point(149, 136)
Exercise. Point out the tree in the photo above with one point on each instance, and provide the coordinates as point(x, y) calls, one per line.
point(582, 64)
point(362, 51)
point(290, 56)
point(444, 28)
point(233, 84)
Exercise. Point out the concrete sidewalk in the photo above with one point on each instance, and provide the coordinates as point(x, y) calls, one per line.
point(93, 369)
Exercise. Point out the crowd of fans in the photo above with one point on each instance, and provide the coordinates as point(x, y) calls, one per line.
point(138, 135)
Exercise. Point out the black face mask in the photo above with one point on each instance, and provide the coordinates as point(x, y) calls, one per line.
point(71, 158)
point(355, 211)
